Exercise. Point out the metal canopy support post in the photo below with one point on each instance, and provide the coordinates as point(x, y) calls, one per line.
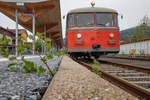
point(16, 32)
point(33, 29)
point(44, 31)
point(44, 37)
point(56, 46)
point(52, 46)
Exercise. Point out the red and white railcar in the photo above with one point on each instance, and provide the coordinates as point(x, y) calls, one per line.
point(92, 31)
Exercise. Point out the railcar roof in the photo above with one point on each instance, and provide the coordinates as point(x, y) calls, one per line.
point(92, 9)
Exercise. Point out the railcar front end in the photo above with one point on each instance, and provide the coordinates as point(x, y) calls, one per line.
point(92, 31)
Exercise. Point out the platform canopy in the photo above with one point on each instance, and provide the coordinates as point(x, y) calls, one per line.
point(47, 15)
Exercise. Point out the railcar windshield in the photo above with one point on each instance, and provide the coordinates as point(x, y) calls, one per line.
point(91, 19)
point(104, 19)
point(86, 19)
point(71, 20)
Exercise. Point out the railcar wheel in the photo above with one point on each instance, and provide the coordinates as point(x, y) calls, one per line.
point(96, 56)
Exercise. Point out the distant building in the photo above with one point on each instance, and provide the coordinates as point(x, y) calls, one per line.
point(21, 32)
point(11, 34)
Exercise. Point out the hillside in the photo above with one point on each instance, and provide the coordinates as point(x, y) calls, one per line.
point(128, 33)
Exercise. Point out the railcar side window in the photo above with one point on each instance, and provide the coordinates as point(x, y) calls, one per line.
point(71, 20)
point(116, 19)
point(85, 19)
point(104, 19)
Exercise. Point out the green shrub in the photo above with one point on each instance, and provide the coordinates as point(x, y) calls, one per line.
point(95, 67)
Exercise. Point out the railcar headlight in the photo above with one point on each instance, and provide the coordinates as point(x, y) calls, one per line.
point(111, 35)
point(79, 35)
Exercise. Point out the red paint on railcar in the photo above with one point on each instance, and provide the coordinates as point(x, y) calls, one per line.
point(89, 38)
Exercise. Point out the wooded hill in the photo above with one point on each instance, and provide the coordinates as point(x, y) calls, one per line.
point(140, 32)
point(127, 33)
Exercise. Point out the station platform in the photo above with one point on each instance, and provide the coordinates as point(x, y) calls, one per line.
point(75, 82)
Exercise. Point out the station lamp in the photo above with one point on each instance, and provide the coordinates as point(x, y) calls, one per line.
point(21, 5)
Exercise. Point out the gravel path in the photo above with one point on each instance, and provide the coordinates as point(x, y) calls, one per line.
point(75, 82)
point(21, 86)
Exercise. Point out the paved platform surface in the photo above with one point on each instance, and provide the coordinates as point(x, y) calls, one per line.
point(75, 82)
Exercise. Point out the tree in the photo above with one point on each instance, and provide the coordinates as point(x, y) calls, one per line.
point(142, 31)
point(126, 40)
point(145, 20)
point(139, 33)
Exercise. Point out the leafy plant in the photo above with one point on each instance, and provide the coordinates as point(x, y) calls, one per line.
point(29, 66)
point(41, 70)
point(13, 69)
point(12, 64)
point(12, 58)
point(95, 67)
point(48, 55)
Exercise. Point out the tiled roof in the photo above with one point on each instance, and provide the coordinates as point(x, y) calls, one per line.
point(7, 32)
point(12, 32)
point(20, 31)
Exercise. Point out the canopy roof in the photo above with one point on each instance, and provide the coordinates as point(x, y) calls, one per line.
point(47, 13)
point(24, 1)
point(92, 9)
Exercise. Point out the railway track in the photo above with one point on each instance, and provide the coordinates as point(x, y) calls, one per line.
point(141, 58)
point(133, 78)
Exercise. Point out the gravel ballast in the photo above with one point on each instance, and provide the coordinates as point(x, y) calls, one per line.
point(75, 82)
point(22, 86)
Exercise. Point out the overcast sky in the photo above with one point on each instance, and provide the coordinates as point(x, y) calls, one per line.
point(132, 10)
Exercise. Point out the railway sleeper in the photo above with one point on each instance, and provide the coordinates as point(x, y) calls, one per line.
point(144, 85)
point(136, 78)
point(111, 68)
point(133, 74)
point(123, 71)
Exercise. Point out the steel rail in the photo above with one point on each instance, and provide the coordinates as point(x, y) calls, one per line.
point(130, 58)
point(130, 66)
point(134, 89)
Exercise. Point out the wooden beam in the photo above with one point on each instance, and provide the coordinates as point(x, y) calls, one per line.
point(48, 27)
point(53, 33)
point(56, 35)
point(51, 26)
point(56, 38)
point(8, 5)
point(39, 5)
point(40, 11)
